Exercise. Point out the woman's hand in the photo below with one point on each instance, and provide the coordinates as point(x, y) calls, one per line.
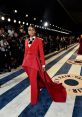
point(43, 67)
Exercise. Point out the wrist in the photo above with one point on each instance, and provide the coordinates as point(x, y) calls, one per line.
point(43, 66)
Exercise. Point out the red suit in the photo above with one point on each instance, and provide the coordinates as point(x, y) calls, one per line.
point(32, 64)
point(80, 47)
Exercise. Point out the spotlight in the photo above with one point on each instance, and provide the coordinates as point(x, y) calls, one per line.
point(26, 15)
point(2, 18)
point(19, 22)
point(27, 24)
point(40, 20)
point(46, 24)
point(23, 22)
point(15, 11)
point(34, 18)
point(9, 19)
point(14, 21)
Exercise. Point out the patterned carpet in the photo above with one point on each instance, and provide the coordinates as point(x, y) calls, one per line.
point(15, 90)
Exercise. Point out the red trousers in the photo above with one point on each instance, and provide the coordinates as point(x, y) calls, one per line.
point(36, 84)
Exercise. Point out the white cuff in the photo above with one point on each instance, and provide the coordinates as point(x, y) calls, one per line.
point(43, 65)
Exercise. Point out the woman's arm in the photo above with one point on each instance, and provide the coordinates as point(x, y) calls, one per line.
point(41, 53)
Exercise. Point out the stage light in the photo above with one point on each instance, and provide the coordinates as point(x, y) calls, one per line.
point(2, 18)
point(15, 11)
point(23, 22)
point(9, 19)
point(19, 22)
point(14, 21)
point(40, 20)
point(27, 24)
point(34, 18)
point(37, 26)
point(46, 24)
point(26, 15)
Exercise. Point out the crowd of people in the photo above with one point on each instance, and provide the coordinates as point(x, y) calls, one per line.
point(11, 49)
point(12, 46)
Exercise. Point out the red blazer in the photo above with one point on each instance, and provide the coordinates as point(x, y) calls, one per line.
point(34, 55)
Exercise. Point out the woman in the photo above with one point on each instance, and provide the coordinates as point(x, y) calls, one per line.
point(80, 45)
point(34, 65)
